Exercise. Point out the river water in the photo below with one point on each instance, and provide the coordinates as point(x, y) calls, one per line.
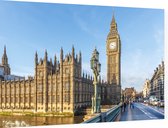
point(13, 121)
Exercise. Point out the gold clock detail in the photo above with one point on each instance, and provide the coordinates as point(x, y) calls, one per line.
point(112, 45)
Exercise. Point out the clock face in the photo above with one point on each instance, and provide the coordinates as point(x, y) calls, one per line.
point(112, 45)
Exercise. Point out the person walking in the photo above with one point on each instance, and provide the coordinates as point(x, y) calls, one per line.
point(130, 103)
point(125, 106)
point(133, 104)
point(121, 107)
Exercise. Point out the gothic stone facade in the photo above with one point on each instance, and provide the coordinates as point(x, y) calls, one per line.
point(113, 52)
point(56, 87)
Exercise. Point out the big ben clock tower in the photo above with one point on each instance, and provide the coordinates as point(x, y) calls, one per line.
point(113, 52)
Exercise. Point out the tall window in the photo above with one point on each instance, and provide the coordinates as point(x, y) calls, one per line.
point(49, 99)
point(66, 71)
point(12, 90)
point(3, 90)
point(21, 100)
point(17, 99)
point(53, 99)
point(8, 100)
point(32, 89)
point(12, 99)
point(27, 99)
point(39, 99)
point(32, 99)
point(39, 88)
point(76, 86)
point(58, 98)
point(67, 86)
point(3, 99)
point(22, 90)
point(27, 89)
point(49, 88)
point(66, 98)
point(8, 90)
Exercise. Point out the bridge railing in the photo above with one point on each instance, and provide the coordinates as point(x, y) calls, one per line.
point(107, 116)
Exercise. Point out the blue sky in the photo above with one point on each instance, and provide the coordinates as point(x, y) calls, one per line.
point(29, 27)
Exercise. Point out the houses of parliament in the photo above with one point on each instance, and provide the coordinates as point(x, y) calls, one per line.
point(60, 85)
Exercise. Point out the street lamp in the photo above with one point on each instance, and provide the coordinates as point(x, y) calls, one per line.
point(96, 67)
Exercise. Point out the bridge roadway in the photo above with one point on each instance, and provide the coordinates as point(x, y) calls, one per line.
point(140, 112)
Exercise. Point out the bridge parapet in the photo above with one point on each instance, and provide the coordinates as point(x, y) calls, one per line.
point(107, 116)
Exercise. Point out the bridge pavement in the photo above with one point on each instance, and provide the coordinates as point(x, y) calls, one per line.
point(140, 112)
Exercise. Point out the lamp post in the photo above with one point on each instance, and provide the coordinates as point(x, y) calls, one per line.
point(96, 67)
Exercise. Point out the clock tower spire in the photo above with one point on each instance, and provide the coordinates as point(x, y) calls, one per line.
point(113, 52)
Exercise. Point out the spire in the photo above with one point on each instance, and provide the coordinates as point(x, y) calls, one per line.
point(61, 55)
point(113, 22)
point(4, 57)
point(55, 60)
point(50, 61)
point(80, 56)
point(113, 27)
point(36, 58)
point(73, 51)
point(46, 55)
point(5, 50)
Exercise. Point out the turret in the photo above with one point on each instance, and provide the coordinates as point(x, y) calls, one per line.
point(80, 57)
point(36, 58)
point(73, 51)
point(61, 55)
point(55, 60)
point(4, 57)
point(113, 23)
point(45, 58)
point(51, 62)
point(46, 55)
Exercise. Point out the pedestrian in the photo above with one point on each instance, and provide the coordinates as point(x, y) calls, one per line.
point(130, 103)
point(133, 104)
point(121, 106)
point(125, 106)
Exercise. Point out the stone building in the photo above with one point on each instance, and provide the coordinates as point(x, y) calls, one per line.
point(146, 89)
point(113, 52)
point(57, 86)
point(129, 94)
point(157, 82)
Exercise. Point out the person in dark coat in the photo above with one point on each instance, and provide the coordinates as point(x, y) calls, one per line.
point(121, 107)
point(125, 106)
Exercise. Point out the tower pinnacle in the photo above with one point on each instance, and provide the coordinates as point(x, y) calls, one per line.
point(5, 62)
point(5, 50)
point(113, 22)
point(4, 57)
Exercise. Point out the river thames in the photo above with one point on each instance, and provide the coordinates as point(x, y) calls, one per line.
point(13, 121)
